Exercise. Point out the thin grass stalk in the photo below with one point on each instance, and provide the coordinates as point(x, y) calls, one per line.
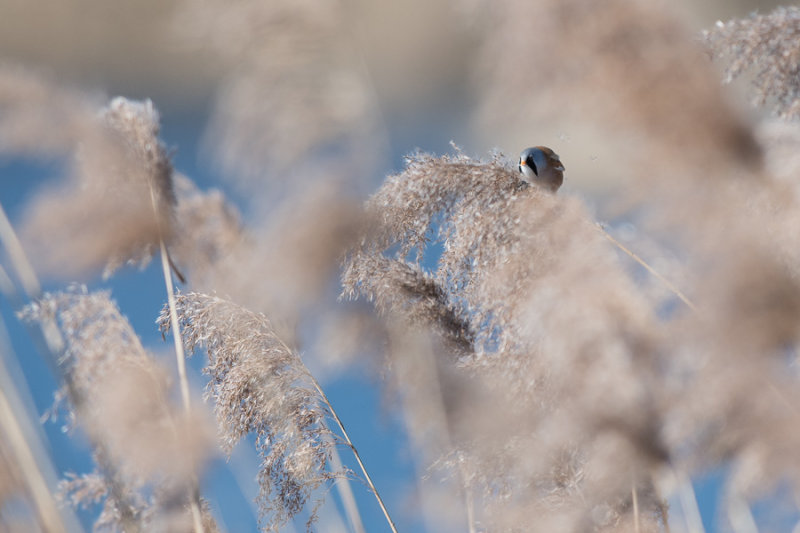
point(22, 266)
point(740, 516)
point(350, 444)
point(26, 457)
point(32, 288)
point(688, 499)
point(51, 343)
point(346, 494)
point(354, 450)
point(7, 288)
point(672, 288)
point(176, 332)
point(197, 519)
point(635, 498)
point(467, 498)
point(194, 500)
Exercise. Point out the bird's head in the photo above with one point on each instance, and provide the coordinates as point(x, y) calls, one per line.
point(542, 166)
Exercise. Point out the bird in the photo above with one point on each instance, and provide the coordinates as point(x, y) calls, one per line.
point(542, 166)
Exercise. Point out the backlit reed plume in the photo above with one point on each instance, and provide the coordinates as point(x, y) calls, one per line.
point(147, 449)
point(114, 203)
point(763, 46)
point(696, 177)
point(260, 386)
point(520, 268)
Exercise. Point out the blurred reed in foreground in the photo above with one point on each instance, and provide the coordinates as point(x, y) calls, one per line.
point(546, 382)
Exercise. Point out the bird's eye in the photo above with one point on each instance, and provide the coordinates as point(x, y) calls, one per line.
point(531, 163)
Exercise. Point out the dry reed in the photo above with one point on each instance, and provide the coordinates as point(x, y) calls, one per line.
point(546, 381)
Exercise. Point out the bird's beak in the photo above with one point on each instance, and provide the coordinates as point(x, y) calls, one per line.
point(522, 163)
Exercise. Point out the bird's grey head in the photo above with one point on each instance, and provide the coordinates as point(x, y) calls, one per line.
point(542, 166)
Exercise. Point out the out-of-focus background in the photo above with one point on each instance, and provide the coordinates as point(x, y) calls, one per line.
point(420, 57)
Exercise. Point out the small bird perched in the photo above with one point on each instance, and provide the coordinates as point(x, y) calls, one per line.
point(542, 166)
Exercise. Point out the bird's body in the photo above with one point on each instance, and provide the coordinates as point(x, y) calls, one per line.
point(542, 166)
